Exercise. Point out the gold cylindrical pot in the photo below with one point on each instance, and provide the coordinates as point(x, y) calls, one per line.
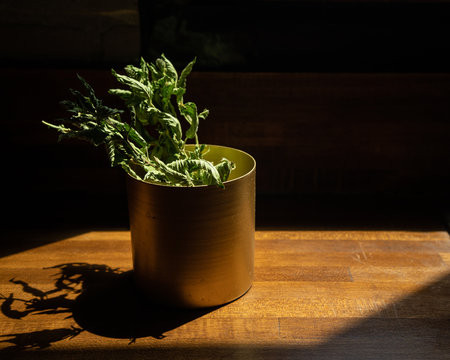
point(194, 246)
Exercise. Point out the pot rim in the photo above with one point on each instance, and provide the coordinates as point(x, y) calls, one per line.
point(204, 186)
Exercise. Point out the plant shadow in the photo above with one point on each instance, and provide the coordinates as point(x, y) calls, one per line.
point(100, 299)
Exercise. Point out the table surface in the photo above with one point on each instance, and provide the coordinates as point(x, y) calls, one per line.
point(317, 294)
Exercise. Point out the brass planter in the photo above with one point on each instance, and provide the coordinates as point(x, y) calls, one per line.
point(194, 246)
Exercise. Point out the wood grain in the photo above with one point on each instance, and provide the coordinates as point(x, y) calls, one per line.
point(316, 295)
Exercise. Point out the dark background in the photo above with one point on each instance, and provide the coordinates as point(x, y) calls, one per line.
point(344, 104)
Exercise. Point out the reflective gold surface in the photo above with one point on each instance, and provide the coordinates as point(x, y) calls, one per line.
point(194, 246)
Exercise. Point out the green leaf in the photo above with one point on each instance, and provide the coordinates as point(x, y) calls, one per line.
point(224, 168)
point(204, 114)
point(126, 95)
point(189, 111)
point(129, 132)
point(169, 69)
point(198, 152)
point(168, 121)
point(136, 86)
point(175, 176)
point(91, 94)
point(184, 74)
point(95, 135)
point(166, 92)
point(61, 128)
point(181, 83)
point(126, 166)
point(203, 171)
point(116, 152)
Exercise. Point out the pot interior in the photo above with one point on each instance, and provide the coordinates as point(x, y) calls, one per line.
point(243, 161)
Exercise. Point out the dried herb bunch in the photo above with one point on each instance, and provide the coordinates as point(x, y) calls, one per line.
point(150, 144)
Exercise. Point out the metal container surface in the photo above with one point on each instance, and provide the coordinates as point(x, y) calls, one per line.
point(194, 246)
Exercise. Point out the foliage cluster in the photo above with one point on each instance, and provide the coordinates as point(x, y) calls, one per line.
point(150, 144)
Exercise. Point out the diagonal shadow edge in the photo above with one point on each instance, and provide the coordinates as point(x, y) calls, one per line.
point(409, 335)
point(19, 240)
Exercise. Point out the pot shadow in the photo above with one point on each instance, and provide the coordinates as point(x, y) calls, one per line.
point(117, 309)
point(100, 299)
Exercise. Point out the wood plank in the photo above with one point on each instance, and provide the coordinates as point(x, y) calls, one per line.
point(46, 256)
point(398, 274)
point(316, 294)
point(445, 257)
point(302, 273)
point(356, 259)
point(358, 235)
point(280, 246)
point(304, 235)
point(275, 298)
point(353, 246)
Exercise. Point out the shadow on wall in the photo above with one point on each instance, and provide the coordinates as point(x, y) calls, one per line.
point(103, 301)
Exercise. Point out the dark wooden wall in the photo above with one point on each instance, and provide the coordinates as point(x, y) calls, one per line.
point(324, 136)
point(327, 135)
point(300, 35)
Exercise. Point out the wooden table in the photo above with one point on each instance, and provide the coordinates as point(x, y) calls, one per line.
point(317, 294)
